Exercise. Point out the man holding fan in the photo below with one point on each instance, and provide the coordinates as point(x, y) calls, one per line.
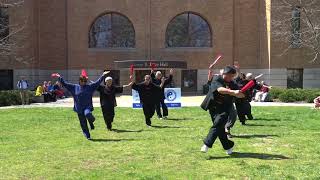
point(156, 79)
point(219, 101)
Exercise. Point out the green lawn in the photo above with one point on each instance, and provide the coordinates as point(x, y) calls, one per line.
point(47, 143)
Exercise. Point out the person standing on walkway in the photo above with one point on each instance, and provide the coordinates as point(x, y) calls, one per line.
point(23, 86)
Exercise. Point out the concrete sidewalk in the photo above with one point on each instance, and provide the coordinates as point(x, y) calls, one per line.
point(126, 101)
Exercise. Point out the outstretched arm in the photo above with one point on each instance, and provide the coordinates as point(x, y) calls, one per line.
point(259, 76)
point(127, 85)
point(96, 84)
point(68, 86)
point(235, 93)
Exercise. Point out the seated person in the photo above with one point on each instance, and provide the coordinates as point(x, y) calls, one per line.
point(263, 93)
point(50, 86)
point(317, 102)
point(39, 90)
point(57, 90)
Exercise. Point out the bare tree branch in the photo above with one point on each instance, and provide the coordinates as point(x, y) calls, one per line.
point(297, 23)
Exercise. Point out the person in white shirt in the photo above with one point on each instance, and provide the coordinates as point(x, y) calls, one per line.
point(22, 86)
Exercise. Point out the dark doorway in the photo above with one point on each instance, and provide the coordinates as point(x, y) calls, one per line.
point(295, 78)
point(189, 81)
point(6, 79)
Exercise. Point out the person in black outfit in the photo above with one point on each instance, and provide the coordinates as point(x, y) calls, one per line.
point(108, 101)
point(149, 96)
point(219, 101)
point(156, 79)
point(243, 105)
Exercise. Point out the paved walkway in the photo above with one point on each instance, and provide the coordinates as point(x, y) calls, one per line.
point(126, 101)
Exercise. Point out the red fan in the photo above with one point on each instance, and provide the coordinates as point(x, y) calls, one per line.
point(131, 69)
point(84, 73)
point(249, 85)
point(153, 65)
point(55, 75)
point(216, 60)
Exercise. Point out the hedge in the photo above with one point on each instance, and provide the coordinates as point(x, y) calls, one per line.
point(294, 95)
point(12, 97)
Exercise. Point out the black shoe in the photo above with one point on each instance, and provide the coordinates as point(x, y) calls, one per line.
point(243, 123)
point(250, 117)
point(109, 128)
point(91, 126)
point(87, 136)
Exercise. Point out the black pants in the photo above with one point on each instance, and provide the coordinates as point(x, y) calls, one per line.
point(148, 111)
point(219, 120)
point(108, 115)
point(164, 108)
point(243, 109)
point(231, 118)
point(83, 122)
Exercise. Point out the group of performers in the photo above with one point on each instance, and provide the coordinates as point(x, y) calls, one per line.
point(151, 92)
point(229, 96)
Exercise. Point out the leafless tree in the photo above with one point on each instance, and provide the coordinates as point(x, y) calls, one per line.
point(297, 23)
point(11, 34)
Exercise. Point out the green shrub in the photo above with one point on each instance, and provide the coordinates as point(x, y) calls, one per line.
point(275, 92)
point(294, 95)
point(12, 97)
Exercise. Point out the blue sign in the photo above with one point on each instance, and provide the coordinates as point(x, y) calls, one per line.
point(172, 98)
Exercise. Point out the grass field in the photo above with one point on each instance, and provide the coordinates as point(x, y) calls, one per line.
point(47, 143)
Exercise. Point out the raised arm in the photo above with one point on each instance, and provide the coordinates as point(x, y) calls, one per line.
point(153, 76)
point(259, 76)
point(169, 80)
point(96, 84)
point(128, 85)
point(210, 76)
point(68, 86)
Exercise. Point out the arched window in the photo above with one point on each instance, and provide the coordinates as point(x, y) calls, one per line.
point(112, 30)
point(188, 30)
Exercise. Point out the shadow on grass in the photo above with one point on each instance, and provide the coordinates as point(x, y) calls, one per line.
point(261, 125)
point(248, 136)
point(266, 119)
point(110, 140)
point(262, 156)
point(178, 119)
point(162, 127)
point(126, 131)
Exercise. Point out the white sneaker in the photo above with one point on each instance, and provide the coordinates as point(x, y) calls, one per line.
point(148, 126)
point(204, 148)
point(229, 151)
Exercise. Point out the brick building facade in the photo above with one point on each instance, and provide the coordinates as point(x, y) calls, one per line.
point(65, 36)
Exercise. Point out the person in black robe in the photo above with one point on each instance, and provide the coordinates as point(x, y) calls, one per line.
point(156, 79)
point(243, 104)
point(149, 94)
point(108, 101)
point(219, 101)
